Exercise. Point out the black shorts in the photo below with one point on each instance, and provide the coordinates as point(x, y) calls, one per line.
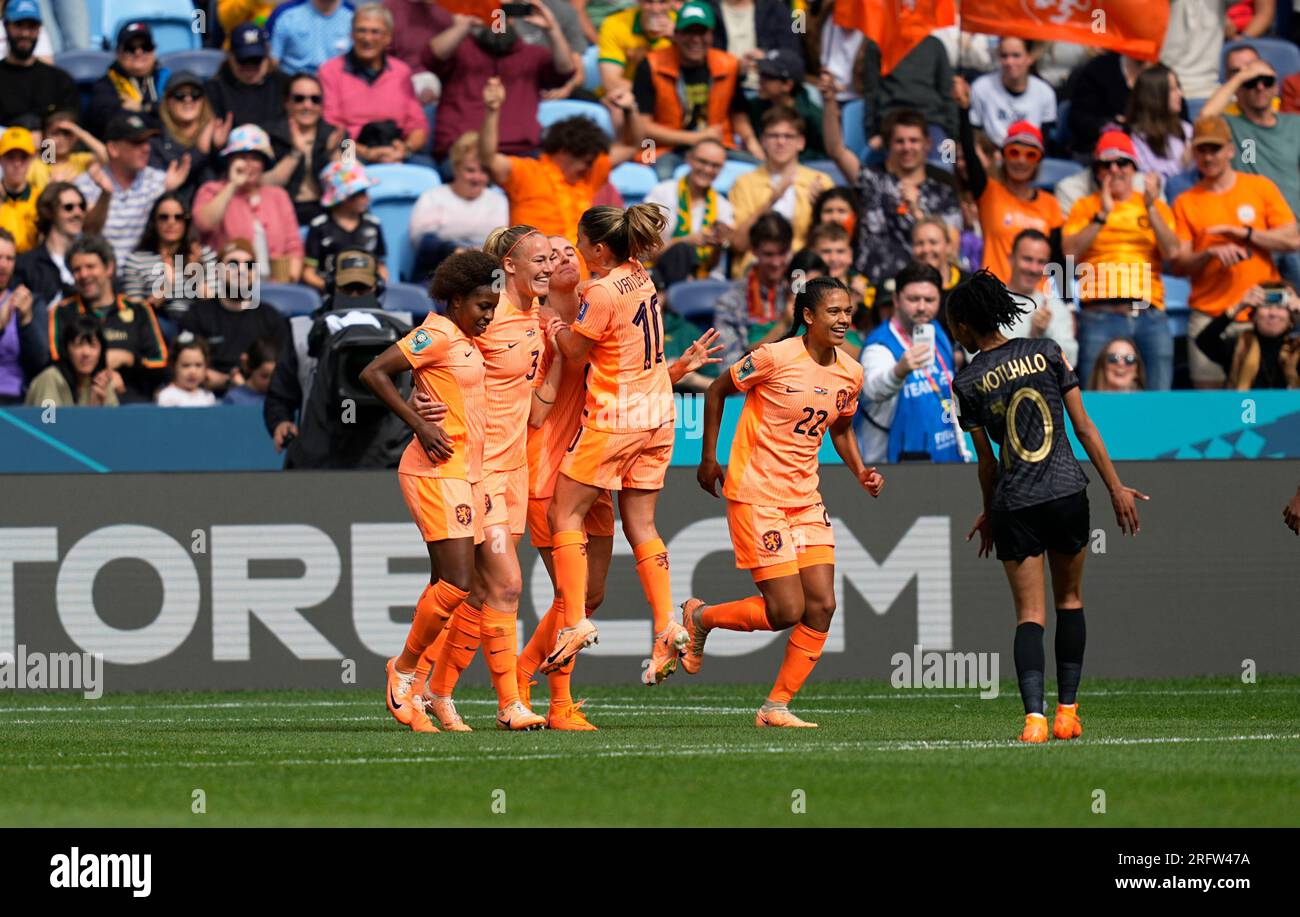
point(1059, 525)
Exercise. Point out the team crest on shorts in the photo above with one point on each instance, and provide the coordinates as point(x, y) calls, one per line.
point(772, 540)
point(842, 400)
point(464, 515)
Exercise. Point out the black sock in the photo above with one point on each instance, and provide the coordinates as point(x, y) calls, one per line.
point(1030, 664)
point(1071, 635)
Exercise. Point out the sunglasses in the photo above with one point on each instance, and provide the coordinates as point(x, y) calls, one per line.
point(1109, 164)
point(193, 96)
point(1267, 82)
point(1128, 359)
point(299, 99)
point(72, 206)
point(172, 217)
point(138, 49)
point(1026, 153)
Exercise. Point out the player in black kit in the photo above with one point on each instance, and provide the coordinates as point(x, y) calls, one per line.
point(1017, 392)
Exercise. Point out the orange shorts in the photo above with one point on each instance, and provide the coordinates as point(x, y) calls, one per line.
point(506, 499)
point(444, 508)
point(777, 541)
point(612, 461)
point(599, 521)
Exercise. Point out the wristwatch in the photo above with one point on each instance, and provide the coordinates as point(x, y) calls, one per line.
point(1100, 218)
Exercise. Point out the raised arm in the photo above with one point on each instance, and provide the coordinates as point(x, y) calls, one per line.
point(497, 164)
point(832, 132)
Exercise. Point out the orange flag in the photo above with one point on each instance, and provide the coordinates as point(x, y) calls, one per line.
point(897, 26)
point(1132, 27)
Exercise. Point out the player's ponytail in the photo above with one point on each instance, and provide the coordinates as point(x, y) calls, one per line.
point(983, 304)
point(810, 297)
point(633, 233)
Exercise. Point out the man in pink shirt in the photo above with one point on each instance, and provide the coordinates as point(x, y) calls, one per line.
point(368, 86)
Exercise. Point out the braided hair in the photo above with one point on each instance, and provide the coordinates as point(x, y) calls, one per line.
point(983, 304)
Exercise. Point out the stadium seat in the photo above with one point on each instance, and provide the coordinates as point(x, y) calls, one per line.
point(1051, 171)
point(173, 25)
point(1194, 107)
point(591, 68)
point(552, 110)
point(85, 67)
point(694, 300)
point(1177, 184)
point(202, 62)
point(1282, 54)
point(291, 299)
point(1177, 292)
point(408, 297)
point(391, 201)
point(633, 181)
point(853, 123)
point(731, 171)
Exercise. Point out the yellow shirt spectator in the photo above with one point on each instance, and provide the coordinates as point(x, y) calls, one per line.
point(18, 207)
point(623, 41)
point(1123, 245)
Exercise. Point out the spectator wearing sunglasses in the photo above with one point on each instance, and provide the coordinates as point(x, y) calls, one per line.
point(150, 272)
point(134, 81)
point(1266, 143)
point(188, 129)
point(1118, 368)
point(1119, 236)
point(249, 88)
point(306, 34)
point(303, 144)
point(1266, 354)
point(60, 217)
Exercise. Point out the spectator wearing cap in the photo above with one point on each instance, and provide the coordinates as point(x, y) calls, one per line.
point(921, 81)
point(169, 267)
point(749, 30)
point(232, 320)
point(553, 191)
point(1013, 95)
point(136, 350)
point(691, 92)
point(134, 81)
point(1229, 225)
point(467, 54)
point(1119, 238)
point(1008, 201)
point(780, 85)
point(243, 206)
point(31, 86)
point(368, 92)
point(307, 33)
point(304, 143)
point(187, 129)
point(121, 195)
point(628, 35)
point(458, 215)
point(60, 218)
point(347, 223)
point(701, 219)
point(18, 206)
point(248, 88)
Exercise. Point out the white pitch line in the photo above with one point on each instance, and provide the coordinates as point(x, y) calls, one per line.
point(658, 752)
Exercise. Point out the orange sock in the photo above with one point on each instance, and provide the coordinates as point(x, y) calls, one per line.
point(801, 655)
point(569, 553)
point(746, 614)
point(425, 665)
point(500, 644)
point(541, 642)
point(558, 682)
point(436, 604)
point(652, 568)
point(464, 633)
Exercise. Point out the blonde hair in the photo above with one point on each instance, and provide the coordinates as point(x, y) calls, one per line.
point(951, 235)
point(464, 147)
point(636, 232)
point(174, 130)
point(502, 240)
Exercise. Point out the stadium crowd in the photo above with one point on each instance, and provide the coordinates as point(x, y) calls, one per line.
point(1144, 210)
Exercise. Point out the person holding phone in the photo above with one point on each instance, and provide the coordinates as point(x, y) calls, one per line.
point(1264, 355)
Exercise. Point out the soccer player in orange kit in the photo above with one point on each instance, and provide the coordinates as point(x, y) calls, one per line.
point(442, 468)
point(795, 390)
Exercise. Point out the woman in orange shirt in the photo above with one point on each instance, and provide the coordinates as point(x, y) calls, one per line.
point(796, 389)
point(442, 468)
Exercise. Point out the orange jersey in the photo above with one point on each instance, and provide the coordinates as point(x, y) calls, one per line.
point(790, 403)
point(547, 443)
point(628, 389)
point(449, 368)
point(512, 350)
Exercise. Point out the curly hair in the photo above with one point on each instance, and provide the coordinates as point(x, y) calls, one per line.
point(578, 136)
point(461, 274)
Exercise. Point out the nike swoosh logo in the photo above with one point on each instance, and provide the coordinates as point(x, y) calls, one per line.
point(392, 700)
point(494, 652)
point(469, 353)
point(792, 391)
point(512, 346)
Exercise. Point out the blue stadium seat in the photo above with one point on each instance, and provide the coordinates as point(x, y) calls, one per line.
point(85, 67)
point(1177, 184)
point(853, 124)
point(1194, 107)
point(391, 201)
point(291, 299)
point(1282, 54)
point(633, 181)
point(202, 62)
point(694, 300)
point(173, 25)
point(552, 110)
point(591, 68)
point(1051, 171)
point(731, 170)
point(408, 297)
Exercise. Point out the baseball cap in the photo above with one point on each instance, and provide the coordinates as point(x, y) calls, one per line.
point(780, 65)
point(354, 266)
point(1213, 130)
point(23, 11)
point(17, 138)
point(183, 78)
point(1114, 145)
point(695, 14)
point(129, 126)
point(248, 41)
point(135, 29)
point(1025, 134)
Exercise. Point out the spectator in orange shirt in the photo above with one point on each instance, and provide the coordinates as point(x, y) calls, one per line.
point(552, 192)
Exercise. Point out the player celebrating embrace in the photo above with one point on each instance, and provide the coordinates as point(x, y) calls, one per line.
point(795, 389)
point(1017, 392)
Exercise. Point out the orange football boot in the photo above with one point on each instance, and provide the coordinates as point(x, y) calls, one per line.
point(567, 644)
point(569, 718)
point(693, 621)
point(781, 717)
point(1035, 728)
point(1067, 725)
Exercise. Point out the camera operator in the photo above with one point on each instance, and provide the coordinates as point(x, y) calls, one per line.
point(1264, 355)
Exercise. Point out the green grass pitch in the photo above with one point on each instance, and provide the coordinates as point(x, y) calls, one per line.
point(1188, 752)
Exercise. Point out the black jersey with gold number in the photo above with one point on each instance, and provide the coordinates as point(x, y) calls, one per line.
point(1016, 392)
